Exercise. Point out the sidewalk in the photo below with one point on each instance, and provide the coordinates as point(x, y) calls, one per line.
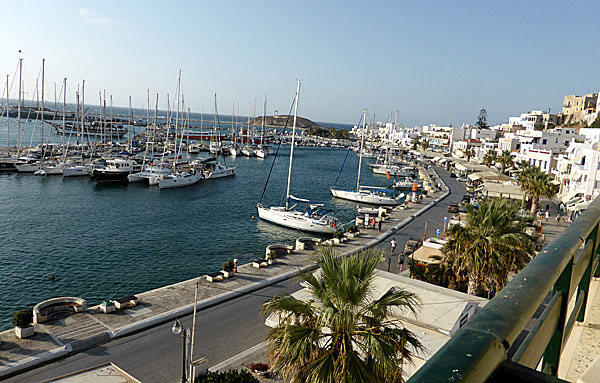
point(77, 332)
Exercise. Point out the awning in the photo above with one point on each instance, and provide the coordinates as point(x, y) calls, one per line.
point(568, 196)
point(555, 182)
point(579, 158)
point(575, 176)
point(427, 255)
point(474, 176)
point(461, 167)
point(563, 167)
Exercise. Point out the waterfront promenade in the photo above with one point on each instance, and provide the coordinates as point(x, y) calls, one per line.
point(83, 331)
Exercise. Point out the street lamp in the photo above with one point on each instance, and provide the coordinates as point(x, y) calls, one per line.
point(178, 329)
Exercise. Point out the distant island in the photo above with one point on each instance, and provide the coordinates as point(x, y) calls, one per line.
point(311, 127)
point(280, 121)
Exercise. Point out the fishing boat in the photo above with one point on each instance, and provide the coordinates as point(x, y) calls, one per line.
point(116, 170)
point(313, 218)
point(373, 195)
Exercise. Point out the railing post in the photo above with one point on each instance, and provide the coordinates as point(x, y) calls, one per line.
point(554, 348)
point(584, 284)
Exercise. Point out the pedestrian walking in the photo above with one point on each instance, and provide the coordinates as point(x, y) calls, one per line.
point(401, 260)
point(558, 219)
point(393, 245)
point(547, 215)
point(379, 224)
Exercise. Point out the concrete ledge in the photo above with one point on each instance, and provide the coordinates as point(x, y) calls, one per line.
point(44, 357)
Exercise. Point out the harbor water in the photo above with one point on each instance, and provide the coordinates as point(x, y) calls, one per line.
point(107, 241)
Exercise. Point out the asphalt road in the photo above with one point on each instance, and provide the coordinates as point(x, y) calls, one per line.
point(434, 216)
point(222, 331)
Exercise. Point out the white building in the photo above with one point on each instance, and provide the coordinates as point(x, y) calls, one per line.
point(542, 158)
point(592, 135)
point(557, 140)
point(579, 170)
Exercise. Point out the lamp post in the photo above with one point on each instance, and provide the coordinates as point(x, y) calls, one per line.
point(178, 329)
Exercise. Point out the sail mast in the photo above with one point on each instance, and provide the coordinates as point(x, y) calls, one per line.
point(19, 110)
point(287, 194)
point(362, 142)
point(42, 105)
point(7, 120)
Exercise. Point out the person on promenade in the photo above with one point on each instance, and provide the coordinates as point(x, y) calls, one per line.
point(393, 245)
point(401, 260)
point(379, 224)
point(558, 219)
point(547, 215)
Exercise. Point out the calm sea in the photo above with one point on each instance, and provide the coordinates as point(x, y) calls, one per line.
point(106, 241)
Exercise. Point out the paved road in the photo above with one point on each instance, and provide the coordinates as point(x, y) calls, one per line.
point(435, 216)
point(222, 331)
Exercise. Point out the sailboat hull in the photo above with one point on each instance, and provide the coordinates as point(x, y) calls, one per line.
point(365, 197)
point(178, 180)
point(296, 220)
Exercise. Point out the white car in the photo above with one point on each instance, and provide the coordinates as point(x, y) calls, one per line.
point(462, 179)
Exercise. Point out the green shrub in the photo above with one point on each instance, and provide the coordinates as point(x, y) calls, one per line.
point(352, 229)
point(22, 318)
point(338, 234)
point(228, 266)
point(233, 376)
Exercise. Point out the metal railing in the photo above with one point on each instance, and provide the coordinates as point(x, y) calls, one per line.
point(479, 352)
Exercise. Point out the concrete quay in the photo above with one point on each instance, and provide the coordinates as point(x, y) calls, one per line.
point(81, 331)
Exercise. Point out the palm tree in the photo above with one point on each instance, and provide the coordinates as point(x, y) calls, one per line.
point(469, 152)
point(491, 245)
point(489, 158)
point(341, 334)
point(536, 184)
point(505, 160)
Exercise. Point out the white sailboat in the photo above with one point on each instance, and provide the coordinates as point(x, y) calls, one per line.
point(373, 195)
point(313, 219)
point(179, 177)
point(260, 151)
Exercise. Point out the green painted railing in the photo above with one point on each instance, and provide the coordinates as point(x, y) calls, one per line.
point(479, 351)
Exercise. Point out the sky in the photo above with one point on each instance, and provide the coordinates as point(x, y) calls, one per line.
point(434, 61)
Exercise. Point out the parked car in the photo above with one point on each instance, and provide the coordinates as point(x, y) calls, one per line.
point(453, 175)
point(462, 179)
point(453, 208)
point(412, 245)
point(466, 198)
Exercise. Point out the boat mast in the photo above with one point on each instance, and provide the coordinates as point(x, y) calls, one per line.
point(362, 143)
point(82, 115)
point(64, 118)
point(262, 128)
point(287, 193)
point(19, 110)
point(7, 120)
point(42, 104)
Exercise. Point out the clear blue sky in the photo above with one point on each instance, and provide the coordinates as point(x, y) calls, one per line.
point(433, 61)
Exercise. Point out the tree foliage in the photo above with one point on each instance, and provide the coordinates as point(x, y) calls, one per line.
point(596, 123)
point(536, 184)
point(329, 132)
point(506, 160)
point(490, 158)
point(482, 119)
point(469, 152)
point(342, 334)
point(492, 244)
point(233, 376)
